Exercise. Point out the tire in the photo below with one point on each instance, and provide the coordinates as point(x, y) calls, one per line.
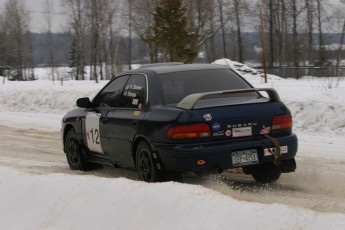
point(266, 174)
point(145, 164)
point(74, 154)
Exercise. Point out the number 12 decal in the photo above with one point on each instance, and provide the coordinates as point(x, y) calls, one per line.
point(93, 138)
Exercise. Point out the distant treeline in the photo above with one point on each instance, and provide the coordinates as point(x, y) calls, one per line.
point(62, 48)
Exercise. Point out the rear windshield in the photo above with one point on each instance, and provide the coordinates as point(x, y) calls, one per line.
point(176, 86)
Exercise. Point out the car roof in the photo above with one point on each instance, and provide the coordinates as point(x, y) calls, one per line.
point(161, 69)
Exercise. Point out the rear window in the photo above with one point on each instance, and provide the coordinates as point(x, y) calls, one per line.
point(176, 86)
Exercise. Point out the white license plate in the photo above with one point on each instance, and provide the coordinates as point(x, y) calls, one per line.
point(244, 157)
point(271, 151)
point(242, 132)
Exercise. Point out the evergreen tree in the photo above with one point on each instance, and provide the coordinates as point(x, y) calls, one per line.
point(76, 63)
point(169, 32)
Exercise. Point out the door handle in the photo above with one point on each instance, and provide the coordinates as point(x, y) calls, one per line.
point(134, 123)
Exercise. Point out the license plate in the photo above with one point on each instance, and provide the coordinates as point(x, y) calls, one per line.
point(244, 157)
point(242, 132)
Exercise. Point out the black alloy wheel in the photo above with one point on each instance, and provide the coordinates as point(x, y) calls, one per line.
point(146, 168)
point(73, 151)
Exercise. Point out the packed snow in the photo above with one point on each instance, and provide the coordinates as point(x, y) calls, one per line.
point(64, 201)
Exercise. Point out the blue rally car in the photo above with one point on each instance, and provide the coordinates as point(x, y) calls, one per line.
point(165, 120)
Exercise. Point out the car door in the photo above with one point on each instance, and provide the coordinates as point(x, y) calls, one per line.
point(125, 121)
point(96, 121)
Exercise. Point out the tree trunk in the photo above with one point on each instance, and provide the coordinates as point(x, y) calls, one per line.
point(239, 34)
point(340, 48)
point(220, 3)
point(271, 31)
point(319, 19)
point(310, 17)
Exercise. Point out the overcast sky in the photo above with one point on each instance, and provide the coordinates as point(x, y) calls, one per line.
point(39, 18)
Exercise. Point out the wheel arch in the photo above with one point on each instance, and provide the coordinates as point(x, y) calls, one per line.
point(67, 128)
point(135, 145)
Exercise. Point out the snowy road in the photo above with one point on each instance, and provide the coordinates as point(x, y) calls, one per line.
point(39, 191)
point(317, 185)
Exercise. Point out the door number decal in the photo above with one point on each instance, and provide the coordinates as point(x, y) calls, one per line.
point(94, 136)
point(92, 132)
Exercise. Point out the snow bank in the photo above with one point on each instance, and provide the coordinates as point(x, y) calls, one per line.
point(58, 201)
point(316, 103)
point(45, 96)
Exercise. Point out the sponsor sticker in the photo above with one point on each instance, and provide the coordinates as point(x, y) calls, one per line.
point(135, 87)
point(228, 133)
point(271, 151)
point(207, 117)
point(135, 102)
point(216, 127)
point(131, 94)
point(265, 130)
point(137, 113)
point(219, 133)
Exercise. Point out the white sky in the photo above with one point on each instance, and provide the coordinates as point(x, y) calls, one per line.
point(39, 18)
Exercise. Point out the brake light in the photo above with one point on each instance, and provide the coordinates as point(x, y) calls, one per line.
point(190, 131)
point(282, 122)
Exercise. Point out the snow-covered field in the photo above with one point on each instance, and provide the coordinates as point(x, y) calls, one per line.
point(46, 200)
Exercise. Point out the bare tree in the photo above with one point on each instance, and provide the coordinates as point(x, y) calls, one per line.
point(309, 5)
point(203, 16)
point(16, 40)
point(102, 17)
point(320, 20)
point(210, 46)
point(341, 41)
point(206, 25)
point(94, 7)
point(109, 23)
point(48, 9)
point(75, 9)
point(340, 48)
point(130, 34)
point(239, 6)
point(143, 22)
point(221, 18)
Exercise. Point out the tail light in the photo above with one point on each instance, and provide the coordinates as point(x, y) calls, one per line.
point(282, 122)
point(190, 131)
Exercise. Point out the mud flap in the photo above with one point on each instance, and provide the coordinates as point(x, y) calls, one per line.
point(287, 166)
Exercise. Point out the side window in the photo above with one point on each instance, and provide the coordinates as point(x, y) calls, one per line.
point(111, 95)
point(134, 94)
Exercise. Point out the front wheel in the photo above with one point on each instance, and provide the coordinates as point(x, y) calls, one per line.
point(74, 153)
point(266, 174)
point(145, 165)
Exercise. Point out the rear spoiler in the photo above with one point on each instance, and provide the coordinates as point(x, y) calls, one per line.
point(190, 101)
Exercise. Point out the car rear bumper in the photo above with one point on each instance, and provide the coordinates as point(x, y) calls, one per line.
point(208, 156)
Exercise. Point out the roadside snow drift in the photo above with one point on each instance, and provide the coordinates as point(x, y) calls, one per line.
point(58, 201)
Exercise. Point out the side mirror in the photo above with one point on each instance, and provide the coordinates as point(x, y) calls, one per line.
point(84, 103)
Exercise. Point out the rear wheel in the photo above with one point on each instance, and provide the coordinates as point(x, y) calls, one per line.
point(145, 165)
point(74, 152)
point(266, 174)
